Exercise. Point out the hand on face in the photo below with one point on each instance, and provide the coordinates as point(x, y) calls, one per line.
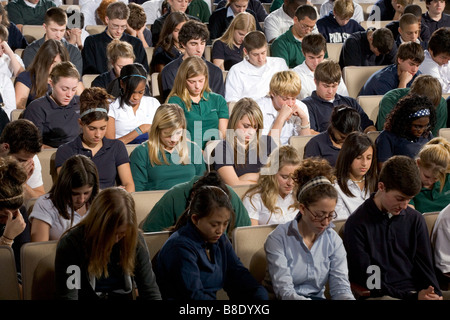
point(14, 226)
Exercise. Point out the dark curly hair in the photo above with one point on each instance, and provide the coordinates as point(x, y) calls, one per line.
point(398, 121)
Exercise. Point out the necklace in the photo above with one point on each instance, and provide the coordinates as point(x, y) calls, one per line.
point(359, 181)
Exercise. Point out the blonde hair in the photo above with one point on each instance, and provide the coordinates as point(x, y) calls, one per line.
point(242, 21)
point(119, 49)
point(191, 67)
point(267, 185)
point(285, 83)
point(168, 115)
point(65, 69)
point(435, 156)
point(344, 9)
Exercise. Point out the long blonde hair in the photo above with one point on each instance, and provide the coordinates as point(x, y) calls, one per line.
point(435, 156)
point(242, 21)
point(267, 185)
point(168, 115)
point(191, 67)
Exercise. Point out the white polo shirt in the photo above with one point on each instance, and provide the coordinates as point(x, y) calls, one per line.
point(442, 73)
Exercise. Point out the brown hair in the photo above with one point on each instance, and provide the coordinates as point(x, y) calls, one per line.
point(328, 71)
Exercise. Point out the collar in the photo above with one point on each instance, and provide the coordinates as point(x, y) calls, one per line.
point(230, 12)
point(107, 143)
point(53, 104)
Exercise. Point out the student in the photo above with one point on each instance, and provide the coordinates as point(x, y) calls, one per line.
point(423, 85)
point(198, 259)
point(136, 25)
point(167, 158)
point(31, 13)
point(435, 17)
point(401, 74)
point(407, 128)
point(434, 167)
point(68, 200)
point(251, 77)
point(387, 10)
point(327, 7)
point(227, 50)
point(22, 140)
point(437, 57)
point(439, 240)
point(327, 144)
point(308, 242)
point(409, 30)
point(110, 251)
point(131, 114)
point(404, 258)
point(11, 64)
point(284, 115)
point(416, 10)
point(16, 40)
point(170, 207)
point(322, 100)
point(337, 25)
point(356, 173)
point(94, 50)
point(109, 156)
point(55, 23)
point(256, 6)
point(314, 48)
point(373, 47)
point(192, 38)
point(56, 114)
point(289, 45)
point(271, 200)
point(240, 156)
point(200, 9)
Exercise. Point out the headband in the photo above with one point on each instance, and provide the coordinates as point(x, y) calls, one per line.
point(93, 110)
point(420, 113)
point(12, 198)
point(134, 75)
point(312, 183)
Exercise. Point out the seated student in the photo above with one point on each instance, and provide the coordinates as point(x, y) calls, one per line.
point(200, 9)
point(437, 57)
point(409, 30)
point(314, 48)
point(284, 115)
point(76, 32)
point(322, 100)
point(327, 7)
point(16, 39)
point(32, 13)
point(7, 97)
point(289, 45)
point(131, 113)
point(435, 17)
point(255, 5)
point(192, 38)
point(109, 156)
point(227, 50)
point(22, 140)
point(251, 77)
point(271, 200)
point(68, 200)
point(168, 47)
point(11, 64)
point(337, 25)
point(240, 156)
point(424, 85)
point(327, 144)
point(108, 248)
point(404, 258)
point(136, 24)
point(439, 241)
point(206, 112)
point(56, 114)
point(14, 224)
point(168, 157)
point(170, 207)
point(198, 259)
point(373, 47)
point(401, 74)
point(384, 10)
point(221, 18)
point(356, 173)
point(407, 128)
point(434, 167)
point(308, 242)
point(119, 54)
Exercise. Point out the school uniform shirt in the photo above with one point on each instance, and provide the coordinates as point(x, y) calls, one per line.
point(125, 118)
point(160, 56)
point(399, 40)
point(432, 24)
point(385, 11)
point(290, 128)
point(5, 65)
point(7, 95)
point(25, 78)
point(442, 73)
point(257, 210)
point(246, 80)
point(289, 48)
point(111, 155)
point(164, 176)
point(321, 146)
point(327, 7)
point(57, 124)
point(220, 50)
point(320, 111)
point(298, 273)
point(384, 80)
point(335, 33)
point(21, 13)
point(220, 20)
point(184, 271)
point(346, 205)
point(35, 179)
point(429, 200)
point(424, 31)
point(16, 40)
point(308, 85)
point(277, 23)
point(440, 238)
point(399, 245)
point(103, 80)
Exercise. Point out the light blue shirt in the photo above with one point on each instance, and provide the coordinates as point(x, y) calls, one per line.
point(297, 273)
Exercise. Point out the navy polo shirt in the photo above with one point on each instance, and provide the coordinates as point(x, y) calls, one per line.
point(57, 124)
point(110, 156)
point(321, 146)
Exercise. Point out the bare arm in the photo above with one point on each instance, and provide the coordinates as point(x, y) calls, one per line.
point(229, 176)
point(22, 92)
point(125, 176)
point(40, 231)
point(220, 63)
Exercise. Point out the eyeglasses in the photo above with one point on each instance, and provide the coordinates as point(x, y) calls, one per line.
point(318, 218)
point(419, 127)
point(117, 27)
point(306, 27)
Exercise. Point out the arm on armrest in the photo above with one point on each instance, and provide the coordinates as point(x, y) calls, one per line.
point(359, 291)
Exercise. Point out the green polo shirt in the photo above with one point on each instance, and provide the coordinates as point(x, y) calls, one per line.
point(288, 48)
point(169, 208)
point(20, 13)
point(204, 115)
point(165, 176)
point(429, 200)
